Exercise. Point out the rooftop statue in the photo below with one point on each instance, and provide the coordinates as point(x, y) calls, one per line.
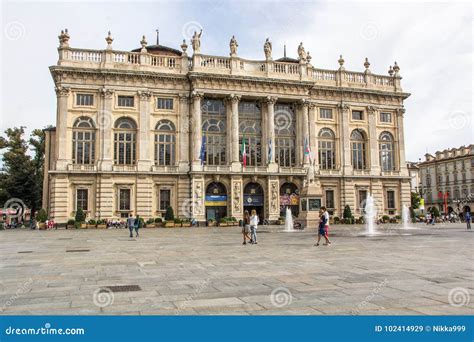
point(233, 46)
point(301, 52)
point(267, 48)
point(196, 41)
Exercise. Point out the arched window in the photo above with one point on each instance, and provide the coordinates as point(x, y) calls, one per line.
point(326, 149)
point(83, 141)
point(386, 151)
point(125, 142)
point(165, 143)
point(250, 129)
point(214, 131)
point(358, 148)
point(285, 135)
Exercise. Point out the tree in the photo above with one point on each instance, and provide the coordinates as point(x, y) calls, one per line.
point(435, 211)
point(80, 216)
point(347, 214)
point(415, 200)
point(42, 215)
point(37, 141)
point(169, 216)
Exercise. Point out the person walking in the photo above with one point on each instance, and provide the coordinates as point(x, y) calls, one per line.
point(130, 224)
point(246, 227)
point(137, 225)
point(323, 226)
point(253, 226)
point(467, 217)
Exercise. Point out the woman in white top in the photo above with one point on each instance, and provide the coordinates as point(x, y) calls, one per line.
point(253, 226)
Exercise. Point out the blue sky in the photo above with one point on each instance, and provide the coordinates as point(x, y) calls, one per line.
point(431, 41)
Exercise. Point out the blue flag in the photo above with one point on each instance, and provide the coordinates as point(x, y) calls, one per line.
point(202, 155)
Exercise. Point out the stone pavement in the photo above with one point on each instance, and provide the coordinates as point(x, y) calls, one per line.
point(207, 271)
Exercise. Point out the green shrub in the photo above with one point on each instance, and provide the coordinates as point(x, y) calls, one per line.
point(158, 220)
point(150, 221)
point(42, 216)
point(91, 221)
point(435, 212)
point(177, 221)
point(71, 222)
point(2, 226)
point(77, 225)
point(80, 216)
point(141, 222)
point(336, 219)
point(100, 221)
point(385, 218)
point(347, 212)
point(398, 217)
point(169, 216)
point(233, 219)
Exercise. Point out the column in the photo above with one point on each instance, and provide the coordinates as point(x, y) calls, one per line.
point(373, 141)
point(237, 199)
point(235, 132)
point(305, 130)
point(345, 146)
point(105, 123)
point(273, 198)
point(313, 135)
point(271, 132)
point(184, 129)
point(62, 95)
point(144, 160)
point(264, 141)
point(401, 142)
point(197, 130)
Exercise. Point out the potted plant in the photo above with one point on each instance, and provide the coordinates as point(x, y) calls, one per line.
point(41, 217)
point(80, 218)
point(2, 226)
point(186, 223)
point(211, 223)
point(91, 224)
point(101, 224)
point(336, 220)
point(169, 217)
point(281, 220)
point(385, 218)
point(158, 222)
point(347, 214)
point(234, 221)
point(177, 222)
point(71, 223)
point(150, 223)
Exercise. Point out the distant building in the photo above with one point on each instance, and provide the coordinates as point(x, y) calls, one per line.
point(414, 173)
point(448, 175)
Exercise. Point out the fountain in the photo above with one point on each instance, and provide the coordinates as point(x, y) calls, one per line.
point(405, 216)
point(370, 215)
point(289, 220)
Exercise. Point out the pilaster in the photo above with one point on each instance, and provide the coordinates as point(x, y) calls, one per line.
point(196, 131)
point(236, 207)
point(62, 96)
point(345, 146)
point(144, 160)
point(184, 130)
point(273, 198)
point(373, 140)
point(105, 123)
point(271, 132)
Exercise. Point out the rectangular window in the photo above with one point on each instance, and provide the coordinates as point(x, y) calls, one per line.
point(124, 200)
point(330, 199)
point(325, 113)
point(357, 115)
point(84, 100)
point(162, 103)
point(82, 199)
point(126, 101)
point(390, 199)
point(165, 199)
point(362, 198)
point(386, 117)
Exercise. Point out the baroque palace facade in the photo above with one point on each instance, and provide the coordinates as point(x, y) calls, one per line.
point(139, 131)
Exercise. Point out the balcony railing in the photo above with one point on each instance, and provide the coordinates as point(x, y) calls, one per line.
point(144, 61)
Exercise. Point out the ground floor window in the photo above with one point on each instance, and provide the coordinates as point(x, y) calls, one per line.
point(390, 199)
point(124, 200)
point(361, 200)
point(165, 199)
point(330, 201)
point(82, 196)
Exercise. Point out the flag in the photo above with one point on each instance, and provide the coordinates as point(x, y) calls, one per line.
point(306, 150)
point(244, 153)
point(270, 150)
point(202, 155)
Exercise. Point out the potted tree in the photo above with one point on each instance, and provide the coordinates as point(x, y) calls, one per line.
point(71, 223)
point(169, 217)
point(347, 214)
point(41, 217)
point(80, 218)
point(150, 223)
point(91, 223)
point(101, 224)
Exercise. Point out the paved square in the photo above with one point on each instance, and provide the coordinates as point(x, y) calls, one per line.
point(208, 271)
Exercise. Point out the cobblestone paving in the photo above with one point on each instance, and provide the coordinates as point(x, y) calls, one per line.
point(207, 271)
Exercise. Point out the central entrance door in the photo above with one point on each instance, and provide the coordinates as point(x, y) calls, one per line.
point(254, 199)
point(216, 201)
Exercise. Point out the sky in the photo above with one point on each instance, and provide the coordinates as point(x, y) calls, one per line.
point(431, 42)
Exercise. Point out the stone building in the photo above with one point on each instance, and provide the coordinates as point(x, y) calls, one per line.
point(139, 131)
point(448, 173)
point(414, 174)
